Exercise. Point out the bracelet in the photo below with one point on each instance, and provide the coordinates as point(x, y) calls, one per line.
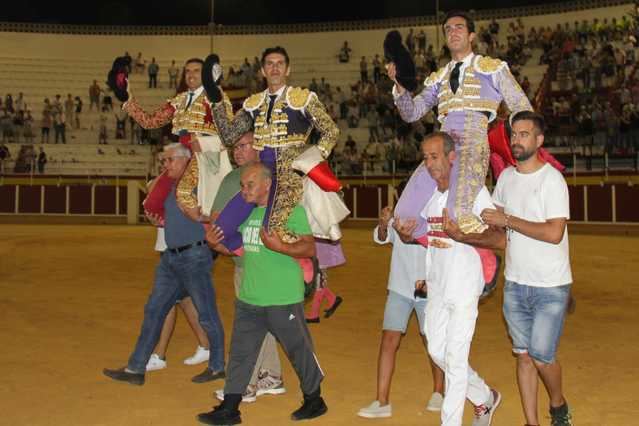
point(506, 222)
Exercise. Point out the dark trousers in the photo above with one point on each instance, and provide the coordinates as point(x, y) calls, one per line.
point(153, 81)
point(288, 325)
point(60, 132)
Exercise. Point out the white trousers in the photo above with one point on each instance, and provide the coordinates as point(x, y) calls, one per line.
point(450, 325)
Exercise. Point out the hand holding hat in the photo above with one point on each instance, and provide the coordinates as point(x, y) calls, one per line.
point(211, 77)
point(395, 52)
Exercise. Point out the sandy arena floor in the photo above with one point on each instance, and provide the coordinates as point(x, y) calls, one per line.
point(72, 300)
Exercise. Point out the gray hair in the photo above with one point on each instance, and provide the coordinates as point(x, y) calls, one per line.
point(447, 139)
point(180, 150)
point(264, 172)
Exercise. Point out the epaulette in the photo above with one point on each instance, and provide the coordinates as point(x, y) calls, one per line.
point(253, 102)
point(298, 98)
point(435, 77)
point(488, 65)
point(178, 99)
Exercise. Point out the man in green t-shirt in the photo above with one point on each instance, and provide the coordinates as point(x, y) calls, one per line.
point(270, 300)
point(267, 374)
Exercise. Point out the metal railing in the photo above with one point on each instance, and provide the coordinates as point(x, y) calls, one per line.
point(220, 29)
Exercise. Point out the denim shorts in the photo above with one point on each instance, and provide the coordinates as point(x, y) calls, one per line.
point(535, 318)
point(399, 309)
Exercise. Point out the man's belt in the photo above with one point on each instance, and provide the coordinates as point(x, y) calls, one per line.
point(186, 247)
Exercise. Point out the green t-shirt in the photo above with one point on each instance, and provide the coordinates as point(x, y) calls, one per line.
point(271, 278)
point(229, 186)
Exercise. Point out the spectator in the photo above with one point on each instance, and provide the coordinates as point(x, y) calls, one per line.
point(410, 41)
point(28, 128)
point(94, 95)
point(173, 75)
point(350, 143)
point(120, 124)
point(47, 121)
point(373, 155)
point(313, 87)
point(103, 130)
point(353, 115)
point(345, 53)
point(8, 103)
point(5, 155)
point(363, 69)
point(153, 74)
point(18, 125)
point(494, 29)
point(69, 108)
point(352, 161)
point(42, 160)
point(20, 104)
point(78, 111)
point(340, 98)
point(392, 155)
point(57, 102)
point(377, 68)
point(584, 127)
point(140, 64)
point(6, 124)
point(107, 102)
point(421, 40)
point(59, 125)
point(373, 124)
point(129, 60)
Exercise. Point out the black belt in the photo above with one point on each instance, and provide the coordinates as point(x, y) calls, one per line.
point(186, 247)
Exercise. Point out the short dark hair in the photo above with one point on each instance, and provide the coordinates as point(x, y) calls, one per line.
point(276, 49)
point(194, 60)
point(470, 23)
point(537, 119)
point(449, 142)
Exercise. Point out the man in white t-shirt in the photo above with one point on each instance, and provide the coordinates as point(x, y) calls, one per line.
point(533, 206)
point(454, 280)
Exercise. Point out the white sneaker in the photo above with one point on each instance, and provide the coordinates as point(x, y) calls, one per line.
point(248, 395)
point(435, 402)
point(270, 385)
point(375, 411)
point(484, 413)
point(201, 355)
point(155, 363)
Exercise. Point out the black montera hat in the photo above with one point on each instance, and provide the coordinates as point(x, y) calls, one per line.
point(118, 78)
point(396, 52)
point(211, 77)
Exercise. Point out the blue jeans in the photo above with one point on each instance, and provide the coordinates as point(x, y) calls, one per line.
point(535, 318)
point(189, 270)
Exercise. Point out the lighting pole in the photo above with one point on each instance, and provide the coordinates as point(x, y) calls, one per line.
point(212, 24)
point(437, 26)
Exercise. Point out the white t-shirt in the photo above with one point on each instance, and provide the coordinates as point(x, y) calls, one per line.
point(535, 197)
point(453, 270)
point(408, 262)
point(160, 243)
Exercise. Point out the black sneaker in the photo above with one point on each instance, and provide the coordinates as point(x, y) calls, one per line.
point(312, 407)
point(560, 416)
point(330, 311)
point(121, 375)
point(208, 375)
point(221, 415)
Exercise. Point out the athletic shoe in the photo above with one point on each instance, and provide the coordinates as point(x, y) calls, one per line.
point(220, 415)
point(435, 402)
point(312, 407)
point(208, 375)
point(155, 363)
point(484, 412)
point(201, 355)
point(123, 375)
point(269, 385)
point(375, 411)
point(249, 394)
point(560, 416)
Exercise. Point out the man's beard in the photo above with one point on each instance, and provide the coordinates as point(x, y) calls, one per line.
point(522, 154)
